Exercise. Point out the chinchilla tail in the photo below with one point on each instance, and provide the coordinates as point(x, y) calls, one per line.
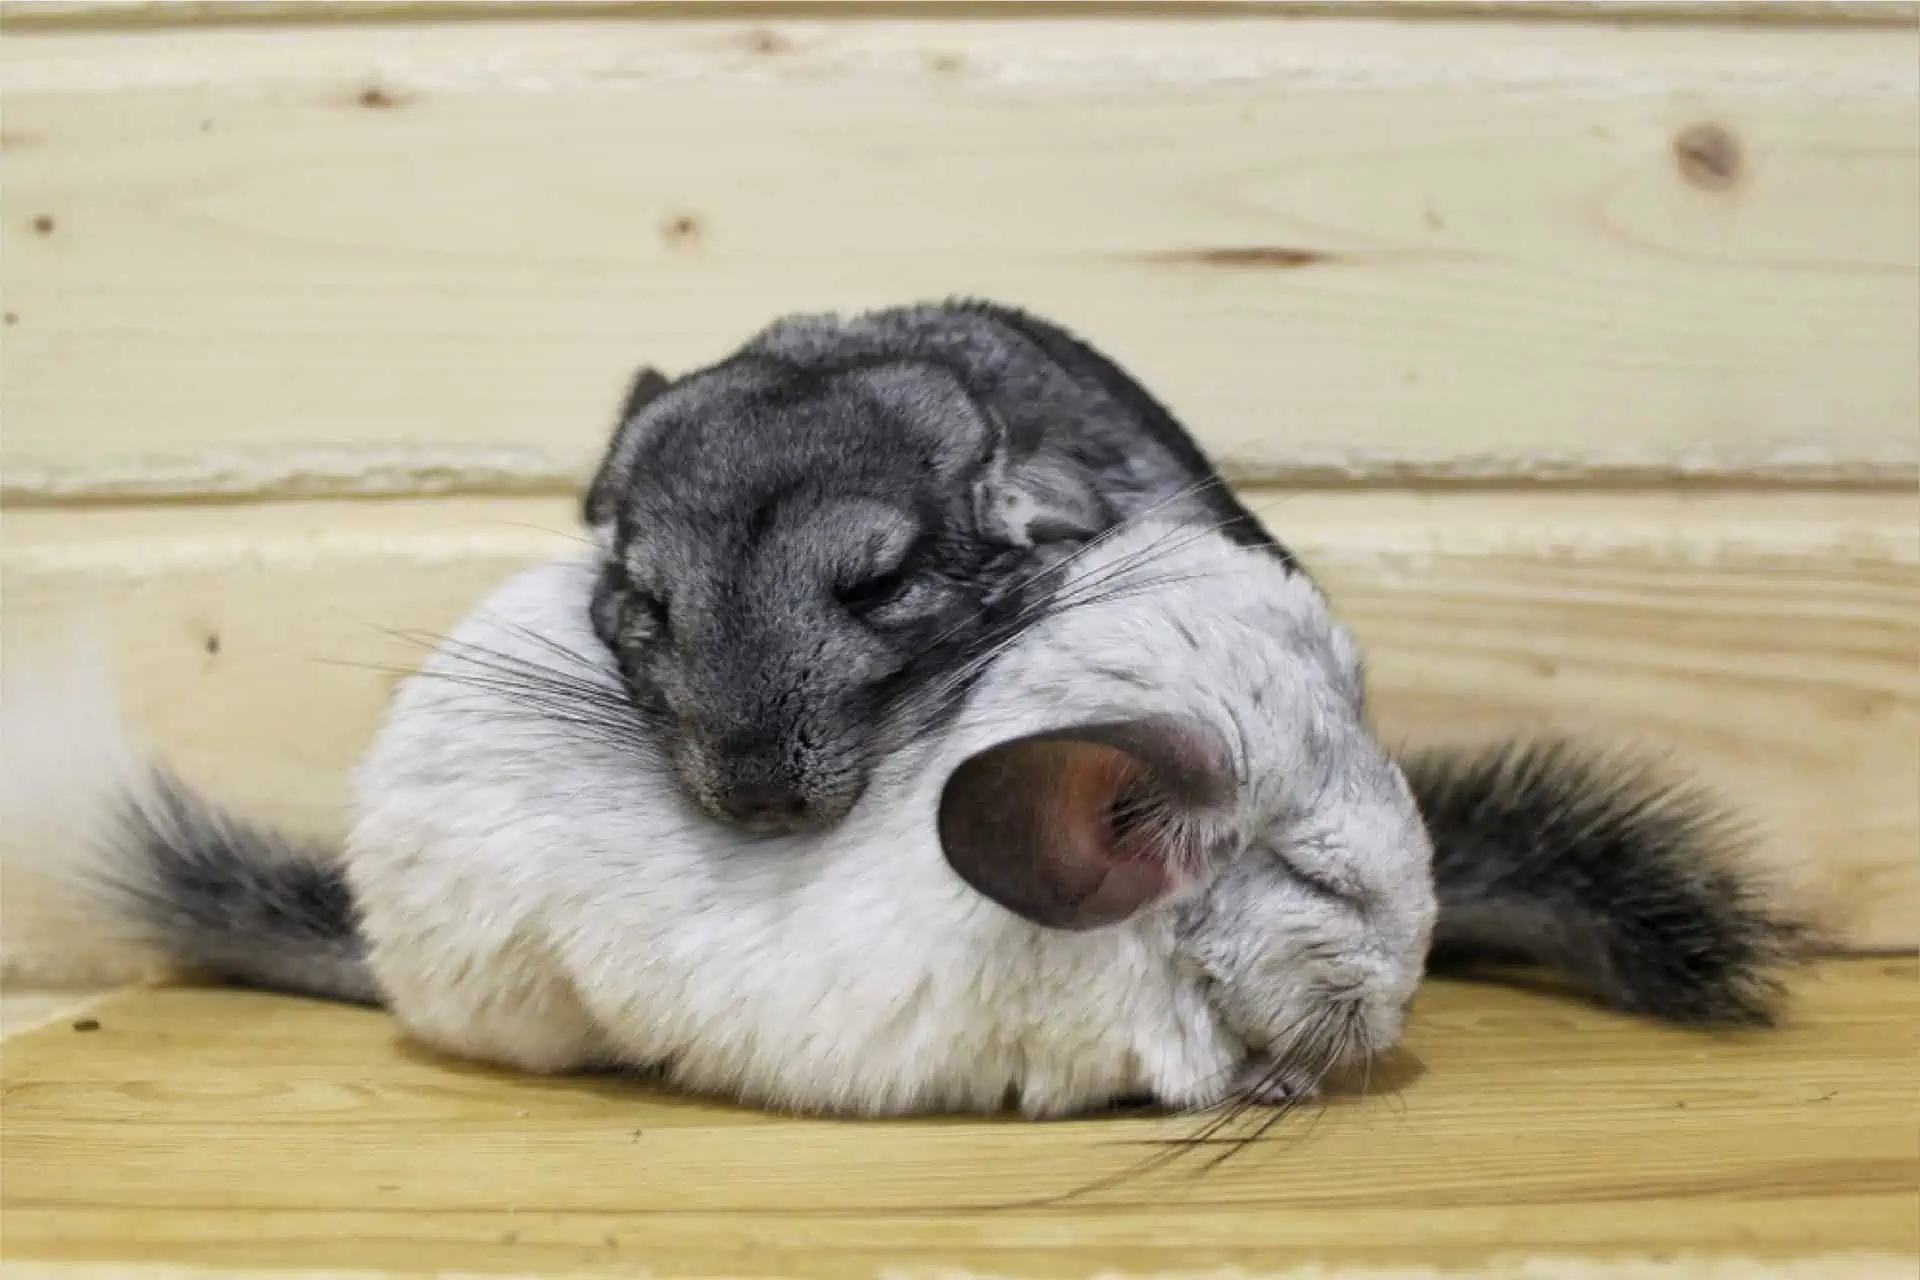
point(113, 869)
point(1595, 866)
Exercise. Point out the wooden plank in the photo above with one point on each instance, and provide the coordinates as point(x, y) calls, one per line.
point(1840, 1265)
point(31, 14)
point(23, 1011)
point(359, 259)
point(1851, 1264)
point(1769, 643)
point(1511, 1126)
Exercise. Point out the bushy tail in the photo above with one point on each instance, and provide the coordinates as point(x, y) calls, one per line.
point(113, 870)
point(1593, 866)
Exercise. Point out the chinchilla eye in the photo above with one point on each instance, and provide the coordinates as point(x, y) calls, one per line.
point(1321, 885)
point(873, 593)
point(884, 595)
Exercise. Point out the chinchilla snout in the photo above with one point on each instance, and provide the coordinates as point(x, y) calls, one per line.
point(769, 784)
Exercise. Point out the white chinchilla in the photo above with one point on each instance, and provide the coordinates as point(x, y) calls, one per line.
point(1149, 847)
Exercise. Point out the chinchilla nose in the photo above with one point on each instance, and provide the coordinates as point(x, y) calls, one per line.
point(766, 807)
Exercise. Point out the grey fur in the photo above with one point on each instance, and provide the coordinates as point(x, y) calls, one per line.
point(800, 536)
point(231, 898)
point(1598, 866)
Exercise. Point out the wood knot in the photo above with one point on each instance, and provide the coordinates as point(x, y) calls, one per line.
point(1269, 256)
point(375, 98)
point(1708, 156)
point(682, 230)
point(43, 224)
point(767, 41)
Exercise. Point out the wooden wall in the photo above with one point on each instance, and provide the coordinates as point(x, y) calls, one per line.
point(1577, 346)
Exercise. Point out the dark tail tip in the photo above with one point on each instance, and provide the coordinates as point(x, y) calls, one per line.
point(237, 901)
point(1634, 886)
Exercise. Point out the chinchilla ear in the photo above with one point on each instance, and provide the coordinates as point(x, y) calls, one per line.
point(1079, 828)
point(1036, 499)
point(616, 466)
point(1021, 494)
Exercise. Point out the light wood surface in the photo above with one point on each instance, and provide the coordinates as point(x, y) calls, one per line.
point(1768, 642)
point(227, 1130)
point(25, 14)
point(396, 257)
point(29, 1009)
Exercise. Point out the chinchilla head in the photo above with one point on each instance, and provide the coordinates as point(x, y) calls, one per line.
point(1187, 739)
point(794, 554)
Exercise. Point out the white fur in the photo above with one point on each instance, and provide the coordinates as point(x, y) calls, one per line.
point(539, 898)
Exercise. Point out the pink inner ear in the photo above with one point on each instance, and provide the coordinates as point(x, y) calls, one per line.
point(1030, 825)
point(1117, 873)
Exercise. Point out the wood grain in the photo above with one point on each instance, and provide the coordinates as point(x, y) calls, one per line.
point(1769, 642)
point(27, 14)
point(425, 256)
point(29, 1009)
point(1842, 1265)
point(1511, 1124)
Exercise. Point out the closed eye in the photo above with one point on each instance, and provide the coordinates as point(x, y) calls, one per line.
point(874, 592)
point(1323, 886)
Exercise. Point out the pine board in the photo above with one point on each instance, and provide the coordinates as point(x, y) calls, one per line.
point(221, 1131)
point(374, 258)
point(27, 14)
point(1767, 642)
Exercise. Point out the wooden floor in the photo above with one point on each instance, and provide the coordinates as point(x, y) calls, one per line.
point(1518, 1131)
